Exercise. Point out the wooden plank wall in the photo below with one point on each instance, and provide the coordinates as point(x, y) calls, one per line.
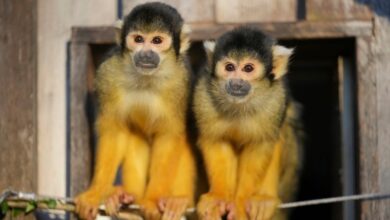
point(228, 11)
point(18, 95)
point(319, 10)
point(80, 152)
point(55, 20)
point(374, 114)
point(193, 11)
point(249, 11)
point(239, 11)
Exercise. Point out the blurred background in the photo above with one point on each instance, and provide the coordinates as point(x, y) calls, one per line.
point(340, 73)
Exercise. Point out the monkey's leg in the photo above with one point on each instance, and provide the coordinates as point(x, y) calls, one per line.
point(134, 174)
point(172, 178)
point(257, 191)
point(221, 166)
point(112, 143)
point(182, 186)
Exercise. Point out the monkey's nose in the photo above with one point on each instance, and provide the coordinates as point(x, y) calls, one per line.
point(147, 56)
point(237, 87)
point(147, 59)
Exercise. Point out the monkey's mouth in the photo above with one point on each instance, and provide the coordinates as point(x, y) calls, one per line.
point(238, 93)
point(147, 65)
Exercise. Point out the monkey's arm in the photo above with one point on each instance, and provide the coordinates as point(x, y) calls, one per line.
point(257, 190)
point(221, 166)
point(111, 150)
point(134, 175)
point(172, 177)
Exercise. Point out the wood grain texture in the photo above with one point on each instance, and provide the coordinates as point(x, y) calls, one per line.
point(55, 20)
point(18, 95)
point(192, 11)
point(80, 152)
point(238, 11)
point(367, 116)
point(374, 116)
point(93, 35)
point(325, 10)
point(294, 30)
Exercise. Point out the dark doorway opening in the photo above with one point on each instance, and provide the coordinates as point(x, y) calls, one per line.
point(322, 79)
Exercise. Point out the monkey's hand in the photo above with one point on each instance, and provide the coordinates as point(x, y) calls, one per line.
point(173, 208)
point(150, 209)
point(261, 207)
point(87, 204)
point(118, 198)
point(211, 207)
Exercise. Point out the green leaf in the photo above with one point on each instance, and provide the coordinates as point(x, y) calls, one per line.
point(30, 206)
point(4, 207)
point(17, 211)
point(51, 203)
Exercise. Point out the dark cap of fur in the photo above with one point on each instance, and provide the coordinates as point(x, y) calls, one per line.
point(245, 39)
point(156, 14)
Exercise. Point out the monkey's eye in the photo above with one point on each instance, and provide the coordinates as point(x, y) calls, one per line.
point(248, 68)
point(138, 39)
point(157, 40)
point(229, 67)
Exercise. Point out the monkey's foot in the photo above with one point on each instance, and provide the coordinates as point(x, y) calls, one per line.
point(211, 207)
point(173, 208)
point(261, 207)
point(87, 205)
point(118, 198)
point(150, 210)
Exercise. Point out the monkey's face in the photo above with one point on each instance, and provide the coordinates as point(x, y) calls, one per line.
point(237, 76)
point(148, 49)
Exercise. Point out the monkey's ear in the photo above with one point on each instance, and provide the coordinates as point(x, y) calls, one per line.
point(185, 38)
point(118, 30)
point(281, 56)
point(209, 46)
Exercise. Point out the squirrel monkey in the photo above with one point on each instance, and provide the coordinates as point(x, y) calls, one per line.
point(248, 128)
point(142, 92)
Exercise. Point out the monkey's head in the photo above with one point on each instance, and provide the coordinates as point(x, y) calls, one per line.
point(152, 32)
point(246, 64)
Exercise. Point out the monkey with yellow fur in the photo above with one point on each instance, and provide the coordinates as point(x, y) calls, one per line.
point(248, 128)
point(142, 92)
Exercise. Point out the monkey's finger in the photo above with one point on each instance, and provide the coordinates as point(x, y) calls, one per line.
point(111, 208)
point(94, 212)
point(260, 211)
point(162, 204)
point(179, 208)
point(84, 212)
point(253, 209)
point(126, 198)
point(88, 213)
point(168, 212)
point(231, 211)
point(170, 209)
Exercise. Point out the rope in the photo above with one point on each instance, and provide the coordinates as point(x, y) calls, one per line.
point(368, 196)
point(20, 200)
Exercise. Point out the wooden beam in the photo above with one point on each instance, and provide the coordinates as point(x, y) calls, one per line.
point(80, 151)
point(291, 30)
point(93, 35)
point(18, 95)
point(333, 10)
point(373, 56)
